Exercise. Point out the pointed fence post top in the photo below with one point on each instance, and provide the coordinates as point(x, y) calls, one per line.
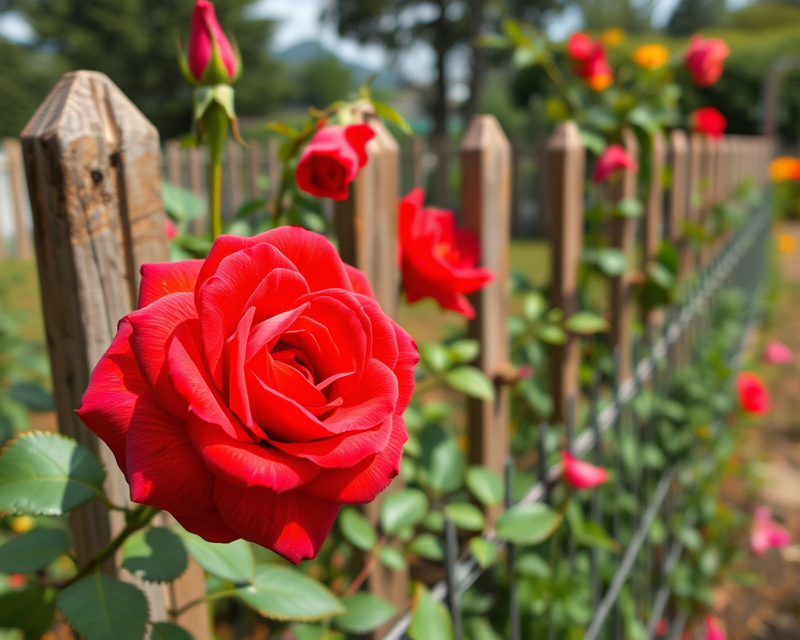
point(565, 136)
point(484, 132)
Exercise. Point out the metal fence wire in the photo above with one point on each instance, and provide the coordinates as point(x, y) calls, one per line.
point(644, 567)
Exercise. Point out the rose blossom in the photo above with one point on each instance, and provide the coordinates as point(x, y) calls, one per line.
point(709, 121)
point(582, 475)
point(714, 630)
point(612, 160)
point(437, 258)
point(752, 393)
point(332, 159)
point(704, 59)
point(590, 61)
point(205, 33)
point(766, 533)
point(255, 392)
point(777, 353)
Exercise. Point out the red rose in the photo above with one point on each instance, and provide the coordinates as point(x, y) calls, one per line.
point(613, 159)
point(580, 46)
point(332, 159)
point(710, 121)
point(206, 33)
point(255, 392)
point(437, 258)
point(590, 61)
point(704, 59)
point(753, 394)
point(580, 474)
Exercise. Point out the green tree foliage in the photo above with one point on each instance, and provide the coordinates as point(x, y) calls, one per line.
point(630, 15)
point(134, 44)
point(691, 15)
point(321, 81)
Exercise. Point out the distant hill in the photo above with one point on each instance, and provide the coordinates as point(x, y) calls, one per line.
point(309, 50)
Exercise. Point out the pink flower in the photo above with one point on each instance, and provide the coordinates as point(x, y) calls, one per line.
point(714, 630)
point(710, 121)
point(169, 227)
point(704, 59)
point(766, 533)
point(205, 34)
point(752, 393)
point(662, 627)
point(777, 353)
point(613, 159)
point(525, 371)
point(582, 475)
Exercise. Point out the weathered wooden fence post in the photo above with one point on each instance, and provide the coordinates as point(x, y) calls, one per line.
point(623, 237)
point(565, 158)
point(485, 197)
point(653, 221)
point(93, 163)
point(16, 174)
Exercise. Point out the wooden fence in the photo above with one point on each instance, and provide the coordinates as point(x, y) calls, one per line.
point(93, 164)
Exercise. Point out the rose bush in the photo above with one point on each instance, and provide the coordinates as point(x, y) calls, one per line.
point(255, 392)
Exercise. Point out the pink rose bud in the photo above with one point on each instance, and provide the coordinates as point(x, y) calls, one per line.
point(704, 59)
point(662, 627)
point(205, 33)
point(714, 630)
point(777, 353)
point(752, 393)
point(169, 227)
point(766, 533)
point(613, 159)
point(582, 475)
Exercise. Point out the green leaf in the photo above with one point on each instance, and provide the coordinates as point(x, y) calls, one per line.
point(429, 619)
point(169, 631)
point(586, 323)
point(593, 142)
point(283, 129)
point(403, 509)
point(660, 275)
point(552, 334)
point(435, 356)
point(445, 465)
point(357, 530)
point(155, 555)
point(528, 524)
point(462, 351)
point(385, 111)
point(612, 262)
point(593, 535)
point(534, 306)
point(47, 474)
point(471, 381)
point(33, 551)
point(232, 561)
point(427, 545)
point(691, 538)
point(181, 205)
point(710, 561)
point(364, 613)
point(485, 552)
point(33, 396)
point(283, 593)
point(466, 516)
point(533, 566)
point(29, 609)
point(99, 608)
point(392, 558)
point(486, 485)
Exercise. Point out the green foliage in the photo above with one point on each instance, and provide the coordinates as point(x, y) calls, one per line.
point(33, 551)
point(403, 509)
point(155, 555)
point(471, 381)
point(99, 607)
point(528, 524)
point(47, 474)
point(429, 619)
point(169, 631)
point(29, 609)
point(232, 561)
point(357, 530)
point(364, 613)
point(485, 485)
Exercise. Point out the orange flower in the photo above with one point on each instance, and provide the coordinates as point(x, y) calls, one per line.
point(601, 81)
point(612, 37)
point(784, 168)
point(786, 243)
point(651, 56)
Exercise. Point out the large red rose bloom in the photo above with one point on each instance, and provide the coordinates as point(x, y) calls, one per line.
point(438, 259)
point(255, 392)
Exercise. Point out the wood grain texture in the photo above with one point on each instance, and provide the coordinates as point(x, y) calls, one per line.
point(565, 158)
point(93, 165)
point(653, 220)
point(485, 198)
point(23, 248)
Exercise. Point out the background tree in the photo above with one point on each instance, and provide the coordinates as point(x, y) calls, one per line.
point(134, 44)
point(630, 15)
point(691, 15)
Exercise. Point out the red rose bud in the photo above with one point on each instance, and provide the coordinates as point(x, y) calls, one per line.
point(714, 630)
point(437, 258)
point(709, 121)
point(752, 393)
point(332, 159)
point(582, 475)
point(704, 59)
point(612, 160)
point(590, 61)
point(256, 392)
point(204, 36)
point(766, 533)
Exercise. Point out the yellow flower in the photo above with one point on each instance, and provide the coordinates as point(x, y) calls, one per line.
point(612, 37)
point(651, 56)
point(784, 168)
point(786, 243)
point(22, 524)
point(601, 81)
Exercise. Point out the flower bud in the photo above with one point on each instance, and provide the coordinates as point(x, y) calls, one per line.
point(207, 41)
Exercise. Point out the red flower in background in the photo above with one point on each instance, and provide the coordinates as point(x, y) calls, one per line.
point(752, 393)
point(582, 475)
point(714, 630)
point(332, 159)
point(777, 353)
point(204, 35)
point(709, 121)
point(255, 392)
point(705, 59)
point(612, 160)
point(766, 533)
point(590, 61)
point(437, 258)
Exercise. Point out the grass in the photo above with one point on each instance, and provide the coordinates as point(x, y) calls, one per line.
point(19, 295)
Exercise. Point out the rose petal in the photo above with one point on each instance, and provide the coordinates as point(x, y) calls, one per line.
point(208, 526)
point(161, 279)
point(359, 281)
